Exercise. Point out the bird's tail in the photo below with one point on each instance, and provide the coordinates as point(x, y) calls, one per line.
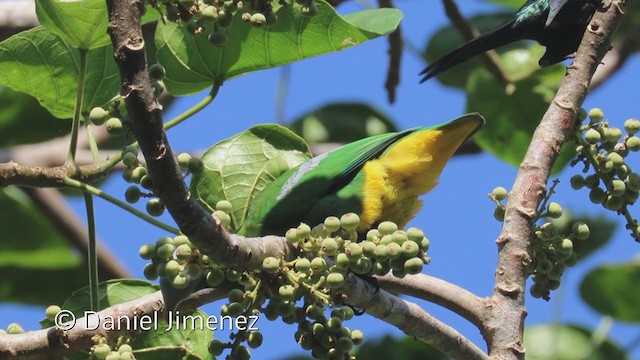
point(500, 36)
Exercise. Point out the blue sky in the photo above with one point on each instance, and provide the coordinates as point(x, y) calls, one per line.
point(457, 216)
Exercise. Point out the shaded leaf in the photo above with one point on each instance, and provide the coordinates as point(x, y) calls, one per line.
point(613, 290)
point(81, 24)
point(389, 348)
point(39, 63)
point(193, 64)
point(238, 168)
point(24, 121)
point(342, 123)
point(512, 116)
point(568, 342)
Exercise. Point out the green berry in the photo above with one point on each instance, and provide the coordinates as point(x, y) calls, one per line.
point(350, 221)
point(98, 116)
point(353, 251)
point(597, 195)
point(155, 207)
point(314, 312)
point(536, 291)
point(498, 213)
point(499, 193)
point(555, 210)
point(387, 227)
point(344, 344)
point(183, 160)
point(125, 348)
point(303, 231)
point(410, 248)
point(632, 126)
point(318, 264)
point(138, 173)
point(101, 351)
point(362, 266)
point(216, 347)
point(373, 235)
point(303, 265)
point(592, 136)
point(132, 195)
point(195, 165)
point(381, 252)
point(545, 266)
point(209, 13)
point(596, 115)
point(235, 309)
point(292, 236)
point(184, 252)
point(171, 268)
point(225, 18)
point(330, 246)
point(271, 265)
point(180, 282)
point(413, 266)
point(235, 295)
point(157, 72)
point(215, 277)
point(591, 181)
point(130, 159)
point(566, 245)
point(606, 166)
point(335, 280)
point(399, 237)
point(287, 292)
point(150, 271)
point(613, 135)
point(342, 260)
point(115, 126)
point(224, 205)
point(357, 336)
point(415, 234)
point(386, 240)
point(165, 251)
point(394, 251)
point(332, 224)
point(254, 340)
point(618, 187)
point(146, 182)
point(258, 19)
point(52, 311)
point(633, 182)
point(613, 203)
point(616, 159)
point(181, 240)
point(580, 230)
point(633, 143)
point(348, 312)
point(218, 38)
point(194, 270)
point(577, 182)
point(147, 251)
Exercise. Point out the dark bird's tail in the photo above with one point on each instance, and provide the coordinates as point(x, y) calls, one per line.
point(500, 36)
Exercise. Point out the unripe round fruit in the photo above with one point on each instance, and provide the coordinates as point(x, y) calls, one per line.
point(195, 165)
point(271, 265)
point(287, 292)
point(536, 291)
point(218, 38)
point(181, 240)
point(138, 173)
point(155, 207)
point(597, 195)
point(130, 160)
point(258, 19)
point(350, 221)
point(616, 159)
point(413, 266)
point(368, 248)
point(424, 244)
point(606, 166)
point(98, 116)
point(157, 72)
point(225, 18)
point(357, 336)
point(209, 13)
point(577, 182)
point(545, 266)
point(171, 269)
point(334, 324)
point(215, 277)
point(332, 224)
point(394, 251)
point(216, 347)
point(303, 231)
point(362, 266)
point(555, 210)
point(183, 252)
point(115, 126)
point(194, 270)
point(381, 252)
point(254, 340)
point(386, 240)
point(633, 182)
point(613, 135)
point(124, 348)
point(632, 126)
point(591, 181)
point(415, 234)
point(146, 182)
point(342, 261)
point(633, 143)
point(410, 248)
point(52, 311)
point(101, 351)
point(235, 309)
point(613, 203)
point(183, 160)
point(566, 245)
point(373, 235)
point(348, 312)
point(596, 115)
point(499, 193)
point(314, 312)
point(164, 240)
point(132, 194)
point(150, 271)
point(147, 251)
point(165, 251)
point(592, 136)
point(618, 187)
point(303, 265)
point(399, 237)
point(387, 227)
point(318, 264)
point(335, 280)
point(235, 295)
point(291, 236)
point(330, 246)
point(498, 213)
point(353, 251)
point(580, 230)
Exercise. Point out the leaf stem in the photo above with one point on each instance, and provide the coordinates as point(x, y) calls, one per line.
point(73, 145)
point(95, 153)
point(86, 188)
point(171, 123)
point(92, 255)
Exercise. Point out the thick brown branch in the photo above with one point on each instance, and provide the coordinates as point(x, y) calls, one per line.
point(12, 173)
point(437, 291)
point(506, 320)
point(146, 119)
point(410, 318)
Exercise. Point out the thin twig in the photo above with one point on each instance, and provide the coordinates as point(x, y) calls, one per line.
point(395, 56)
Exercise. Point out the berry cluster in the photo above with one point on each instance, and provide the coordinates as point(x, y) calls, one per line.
point(110, 117)
point(137, 174)
point(103, 351)
point(603, 150)
point(214, 17)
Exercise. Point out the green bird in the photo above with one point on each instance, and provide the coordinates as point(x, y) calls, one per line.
point(379, 178)
point(557, 24)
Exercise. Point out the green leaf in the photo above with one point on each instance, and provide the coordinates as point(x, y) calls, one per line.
point(24, 121)
point(512, 117)
point(81, 24)
point(568, 342)
point(36, 262)
point(342, 123)
point(389, 348)
point(157, 343)
point(601, 230)
point(508, 3)
point(39, 63)
point(193, 64)
point(238, 168)
point(449, 38)
point(613, 290)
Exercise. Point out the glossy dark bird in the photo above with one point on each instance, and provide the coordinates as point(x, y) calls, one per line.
point(556, 24)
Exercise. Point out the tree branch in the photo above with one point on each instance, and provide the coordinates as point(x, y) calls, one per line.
point(395, 56)
point(410, 318)
point(438, 291)
point(146, 118)
point(506, 319)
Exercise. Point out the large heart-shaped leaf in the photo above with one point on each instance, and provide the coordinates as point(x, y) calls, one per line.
point(568, 342)
point(193, 64)
point(41, 64)
point(613, 290)
point(238, 168)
